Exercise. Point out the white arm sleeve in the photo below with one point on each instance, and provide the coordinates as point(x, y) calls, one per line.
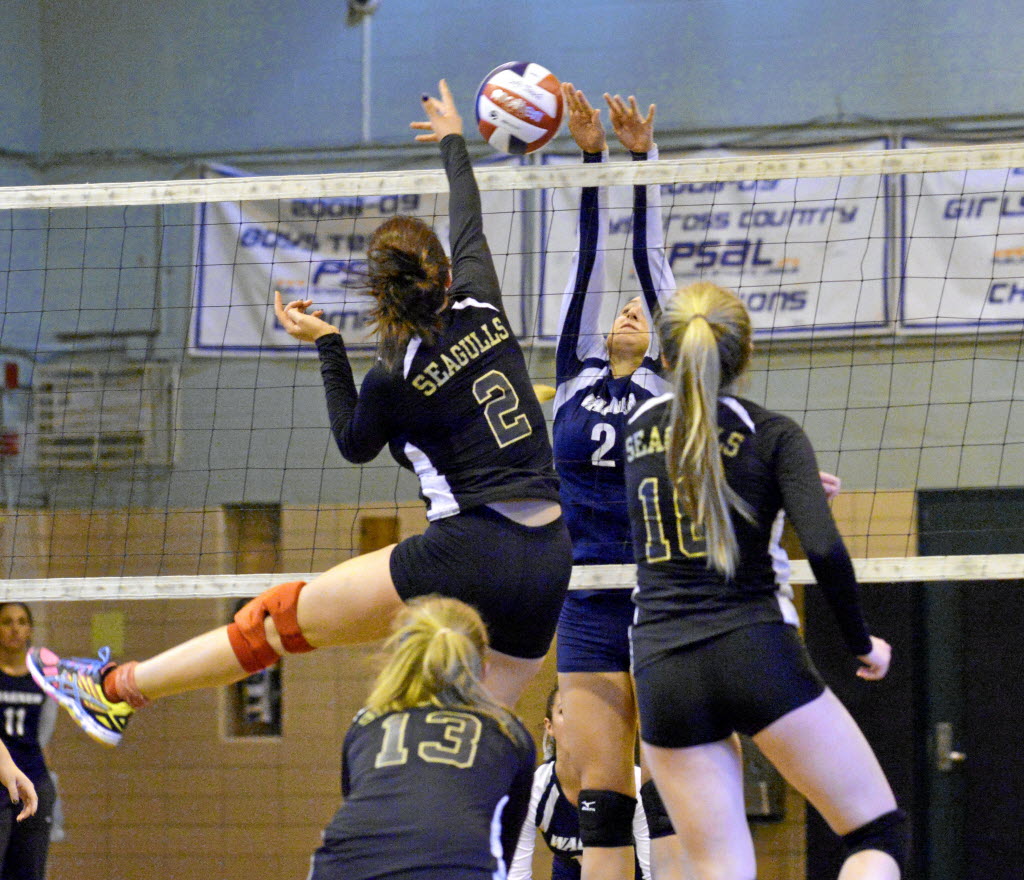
point(641, 834)
point(522, 862)
point(650, 262)
point(587, 280)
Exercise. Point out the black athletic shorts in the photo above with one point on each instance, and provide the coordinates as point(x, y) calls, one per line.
point(514, 575)
point(741, 681)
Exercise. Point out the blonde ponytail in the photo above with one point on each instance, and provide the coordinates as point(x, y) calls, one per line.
point(706, 336)
point(436, 656)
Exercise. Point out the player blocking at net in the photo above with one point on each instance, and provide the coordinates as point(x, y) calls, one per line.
point(451, 396)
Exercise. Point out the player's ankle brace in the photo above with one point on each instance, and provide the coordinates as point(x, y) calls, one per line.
point(119, 685)
point(658, 822)
point(887, 833)
point(606, 818)
point(248, 635)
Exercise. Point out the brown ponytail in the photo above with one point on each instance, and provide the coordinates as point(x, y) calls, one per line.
point(408, 274)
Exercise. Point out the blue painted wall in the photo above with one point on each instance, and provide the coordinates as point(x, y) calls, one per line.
point(98, 90)
point(188, 76)
point(20, 90)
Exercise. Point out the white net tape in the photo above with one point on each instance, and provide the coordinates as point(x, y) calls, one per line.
point(381, 183)
point(884, 570)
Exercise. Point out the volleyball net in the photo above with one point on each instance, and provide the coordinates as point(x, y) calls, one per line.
point(152, 407)
point(162, 439)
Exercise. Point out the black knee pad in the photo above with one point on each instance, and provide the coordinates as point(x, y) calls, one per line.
point(887, 833)
point(606, 818)
point(658, 822)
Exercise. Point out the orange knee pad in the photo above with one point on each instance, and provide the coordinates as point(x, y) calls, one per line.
point(248, 636)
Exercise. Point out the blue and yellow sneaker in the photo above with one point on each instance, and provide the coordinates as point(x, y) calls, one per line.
point(76, 683)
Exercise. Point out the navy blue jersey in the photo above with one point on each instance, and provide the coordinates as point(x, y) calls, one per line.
point(591, 406)
point(428, 792)
point(557, 819)
point(21, 705)
point(461, 412)
point(770, 464)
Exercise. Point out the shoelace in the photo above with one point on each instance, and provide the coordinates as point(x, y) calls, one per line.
point(67, 676)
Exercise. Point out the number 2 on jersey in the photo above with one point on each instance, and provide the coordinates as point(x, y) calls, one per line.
point(689, 537)
point(501, 408)
point(604, 435)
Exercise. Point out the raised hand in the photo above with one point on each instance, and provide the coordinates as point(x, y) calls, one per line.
point(307, 327)
point(584, 121)
point(442, 116)
point(635, 132)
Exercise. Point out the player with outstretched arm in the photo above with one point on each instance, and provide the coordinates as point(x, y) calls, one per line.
point(451, 397)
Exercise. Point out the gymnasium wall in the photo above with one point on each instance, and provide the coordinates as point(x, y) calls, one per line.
point(108, 91)
point(103, 90)
point(180, 798)
point(20, 91)
point(21, 69)
point(227, 77)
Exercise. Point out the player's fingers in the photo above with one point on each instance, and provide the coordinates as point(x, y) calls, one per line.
point(446, 94)
point(29, 802)
point(650, 114)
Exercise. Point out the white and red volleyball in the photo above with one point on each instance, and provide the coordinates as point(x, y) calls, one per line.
point(519, 107)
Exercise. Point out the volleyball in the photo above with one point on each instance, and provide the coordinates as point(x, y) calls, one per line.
point(519, 107)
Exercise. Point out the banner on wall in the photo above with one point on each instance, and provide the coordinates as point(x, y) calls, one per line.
point(807, 256)
point(962, 248)
point(310, 249)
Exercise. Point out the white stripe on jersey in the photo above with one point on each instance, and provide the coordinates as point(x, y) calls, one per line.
point(550, 795)
point(469, 302)
point(416, 341)
point(650, 381)
point(782, 569)
point(740, 410)
point(435, 487)
point(780, 559)
point(647, 404)
point(501, 870)
point(410, 353)
point(585, 378)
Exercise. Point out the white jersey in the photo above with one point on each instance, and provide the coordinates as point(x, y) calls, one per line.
point(552, 815)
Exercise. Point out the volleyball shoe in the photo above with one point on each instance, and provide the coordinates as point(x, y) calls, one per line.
point(77, 684)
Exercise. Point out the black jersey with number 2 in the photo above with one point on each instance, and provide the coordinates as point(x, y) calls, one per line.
point(460, 412)
point(770, 464)
point(429, 793)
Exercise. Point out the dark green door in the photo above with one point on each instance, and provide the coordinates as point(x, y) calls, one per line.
point(946, 721)
point(975, 671)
